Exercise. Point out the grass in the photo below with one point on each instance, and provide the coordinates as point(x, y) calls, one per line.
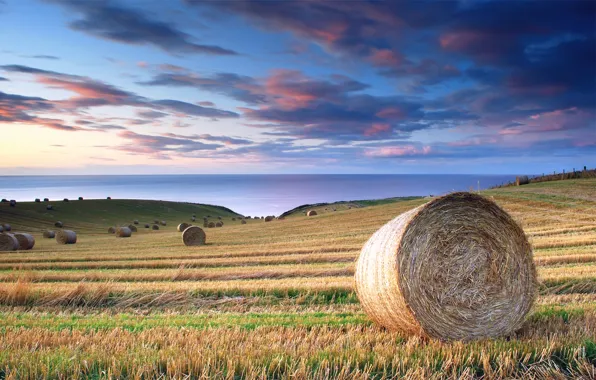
point(271, 299)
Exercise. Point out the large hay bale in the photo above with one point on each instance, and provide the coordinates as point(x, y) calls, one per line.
point(269, 218)
point(182, 226)
point(112, 230)
point(193, 235)
point(458, 267)
point(7, 227)
point(49, 234)
point(58, 224)
point(123, 232)
point(132, 227)
point(219, 224)
point(26, 241)
point(8, 242)
point(522, 180)
point(155, 227)
point(66, 237)
point(311, 213)
point(210, 225)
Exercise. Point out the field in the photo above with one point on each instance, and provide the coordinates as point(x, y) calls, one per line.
point(271, 299)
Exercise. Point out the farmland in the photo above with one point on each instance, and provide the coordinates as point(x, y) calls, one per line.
point(271, 299)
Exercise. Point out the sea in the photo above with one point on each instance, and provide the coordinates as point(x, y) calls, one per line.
point(245, 194)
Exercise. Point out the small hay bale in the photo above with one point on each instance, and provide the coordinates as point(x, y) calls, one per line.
point(132, 227)
point(37, 200)
point(194, 215)
point(109, 198)
point(1, 228)
point(112, 230)
point(243, 221)
point(58, 224)
point(65, 200)
point(49, 234)
point(155, 227)
point(311, 213)
point(123, 232)
point(182, 226)
point(205, 225)
point(456, 268)
point(210, 225)
point(7, 227)
point(46, 199)
point(13, 203)
point(163, 222)
point(135, 221)
point(49, 207)
point(219, 224)
point(80, 198)
point(155, 221)
point(147, 225)
point(66, 237)
point(8, 242)
point(269, 218)
point(522, 180)
point(219, 217)
point(193, 235)
point(193, 219)
point(26, 241)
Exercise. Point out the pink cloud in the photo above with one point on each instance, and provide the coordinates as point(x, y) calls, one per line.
point(399, 151)
point(377, 128)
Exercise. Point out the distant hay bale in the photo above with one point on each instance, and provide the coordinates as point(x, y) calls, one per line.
point(182, 226)
point(132, 227)
point(109, 198)
point(193, 235)
point(194, 215)
point(193, 219)
point(26, 241)
point(210, 225)
point(13, 203)
point(219, 217)
point(65, 200)
point(4, 200)
point(163, 222)
point(112, 230)
point(234, 219)
point(1, 228)
point(456, 268)
point(311, 213)
point(205, 224)
point(219, 224)
point(269, 218)
point(7, 227)
point(66, 237)
point(123, 232)
point(80, 198)
point(155, 227)
point(49, 234)
point(59, 224)
point(155, 221)
point(37, 200)
point(49, 207)
point(147, 225)
point(522, 180)
point(46, 199)
point(243, 221)
point(8, 242)
point(135, 221)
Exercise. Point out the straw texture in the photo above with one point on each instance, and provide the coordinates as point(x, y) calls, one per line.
point(112, 230)
point(7, 227)
point(193, 235)
point(58, 224)
point(123, 232)
point(8, 242)
point(66, 237)
point(269, 218)
point(49, 234)
point(219, 224)
point(133, 228)
point(155, 227)
point(456, 268)
point(26, 241)
point(311, 213)
point(211, 225)
point(182, 226)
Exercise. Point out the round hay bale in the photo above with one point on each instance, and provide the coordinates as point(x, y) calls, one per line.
point(26, 241)
point(194, 215)
point(311, 213)
point(155, 227)
point(219, 217)
point(65, 200)
point(66, 237)
point(193, 235)
point(182, 226)
point(58, 224)
point(1, 228)
point(147, 225)
point(135, 221)
point(112, 230)
point(37, 200)
point(163, 222)
point(455, 268)
point(205, 225)
point(49, 234)
point(4, 200)
point(7, 227)
point(123, 232)
point(219, 224)
point(13, 203)
point(243, 221)
point(8, 242)
point(46, 199)
point(109, 198)
point(132, 227)
point(269, 218)
point(522, 180)
point(210, 225)
point(193, 219)
point(80, 198)
point(155, 221)
point(49, 207)
point(234, 219)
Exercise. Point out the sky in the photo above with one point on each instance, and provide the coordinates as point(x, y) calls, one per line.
point(244, 87)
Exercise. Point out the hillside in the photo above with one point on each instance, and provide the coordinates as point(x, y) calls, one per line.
point(274, 299)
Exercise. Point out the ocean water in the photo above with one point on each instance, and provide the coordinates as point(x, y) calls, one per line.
point(245, 194)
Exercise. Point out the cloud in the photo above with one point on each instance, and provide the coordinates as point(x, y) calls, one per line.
point(192, 109)
point(399, 151)
point(2, 79)
point(151, 114)
point(43, 56)
point(160, 147)
point(207, 137)
point(105, 19)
